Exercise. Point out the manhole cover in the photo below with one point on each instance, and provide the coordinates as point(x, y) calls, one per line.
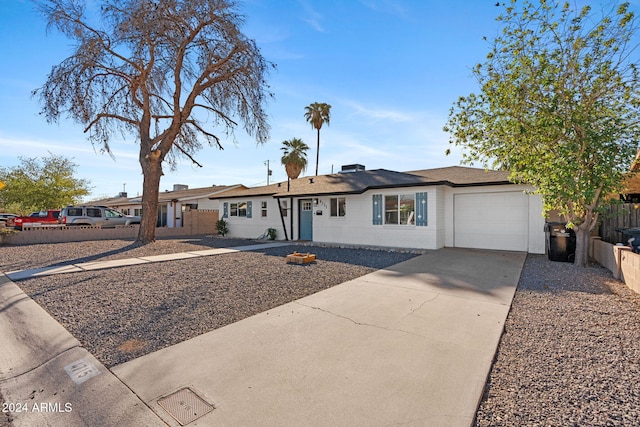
point(185, 406)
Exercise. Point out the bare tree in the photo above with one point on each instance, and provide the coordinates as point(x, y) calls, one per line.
point(171, 72)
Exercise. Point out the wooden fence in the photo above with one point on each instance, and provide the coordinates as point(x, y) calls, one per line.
point(624, 215)
point(200, 221)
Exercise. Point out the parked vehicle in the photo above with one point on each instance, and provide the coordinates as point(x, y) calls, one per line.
point(37, 218)
point(96, 216)
point(4, 219)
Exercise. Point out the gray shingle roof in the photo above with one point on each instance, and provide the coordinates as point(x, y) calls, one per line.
point(464, 176)
point(359, 182)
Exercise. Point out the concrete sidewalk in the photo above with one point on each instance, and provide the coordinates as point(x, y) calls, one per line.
point(101, 265)
point(411, 345)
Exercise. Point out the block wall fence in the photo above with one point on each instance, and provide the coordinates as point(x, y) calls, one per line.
point(620, 260)
point(196, 222)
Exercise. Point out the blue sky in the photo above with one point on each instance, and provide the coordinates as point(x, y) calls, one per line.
point(391, 70)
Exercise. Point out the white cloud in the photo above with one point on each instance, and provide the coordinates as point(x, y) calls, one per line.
point(375, 113)
point(312, 17)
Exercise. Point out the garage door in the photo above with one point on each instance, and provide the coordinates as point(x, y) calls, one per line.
point(491, 221)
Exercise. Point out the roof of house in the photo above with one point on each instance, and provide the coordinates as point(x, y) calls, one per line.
point(196, 193)
point(361, 181)
point(461, 176)
point(167, 196)
point(115, 201)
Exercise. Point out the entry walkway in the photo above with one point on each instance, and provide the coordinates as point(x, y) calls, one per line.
point(100, 265)
point(408, 345)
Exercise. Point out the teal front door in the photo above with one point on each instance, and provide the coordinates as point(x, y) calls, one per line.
point(306, 219)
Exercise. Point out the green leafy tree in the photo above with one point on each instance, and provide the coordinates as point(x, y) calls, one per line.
point(318, 114)
point(294, 157)
point(558, 107)
point(38, 184)
point(173, 73)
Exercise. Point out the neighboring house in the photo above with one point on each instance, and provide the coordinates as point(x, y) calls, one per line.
point(631, 192)
point(172, 204)
point(428, 209)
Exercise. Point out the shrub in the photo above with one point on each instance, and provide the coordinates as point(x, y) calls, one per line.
point(222, 227)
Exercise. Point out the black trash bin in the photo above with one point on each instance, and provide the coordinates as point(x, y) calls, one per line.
point(562, 242)
point(631, 237)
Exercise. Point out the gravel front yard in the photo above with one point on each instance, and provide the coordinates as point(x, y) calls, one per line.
point(122, 313)
point(569, 356)
point(570, 353)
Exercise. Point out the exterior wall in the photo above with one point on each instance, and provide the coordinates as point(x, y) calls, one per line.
point(441, 225)
point(536, 236)
point(356, 227)
point(623, 264)
point(209, 204)
point(256, 226)
point(174, 214)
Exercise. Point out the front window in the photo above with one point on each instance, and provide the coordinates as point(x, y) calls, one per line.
point(338, 206)
point(238, 209)
point(399, 209)
point(263, 209)
point(283, 208)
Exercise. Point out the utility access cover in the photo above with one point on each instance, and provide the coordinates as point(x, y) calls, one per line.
point(185, 406)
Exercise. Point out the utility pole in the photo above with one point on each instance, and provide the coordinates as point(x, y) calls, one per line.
point(269, 171)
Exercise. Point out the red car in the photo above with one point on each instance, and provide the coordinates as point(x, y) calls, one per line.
point(42, 217)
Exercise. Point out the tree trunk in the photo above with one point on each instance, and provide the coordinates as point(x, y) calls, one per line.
point(152, 171)
point(582, 244)
point(318, 152)
point(583, 237)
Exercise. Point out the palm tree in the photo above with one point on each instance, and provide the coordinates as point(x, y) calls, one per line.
point(294, 158)
point(317, 114)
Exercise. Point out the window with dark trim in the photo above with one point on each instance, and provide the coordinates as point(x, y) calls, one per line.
point(338, 206)
point(263, 209)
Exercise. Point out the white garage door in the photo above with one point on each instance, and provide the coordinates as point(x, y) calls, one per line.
point(491, 221)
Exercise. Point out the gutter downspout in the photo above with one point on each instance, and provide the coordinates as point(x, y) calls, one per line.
point(282, 219)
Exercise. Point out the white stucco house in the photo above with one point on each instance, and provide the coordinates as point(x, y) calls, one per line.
point(172, 203)
point(427, 209)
